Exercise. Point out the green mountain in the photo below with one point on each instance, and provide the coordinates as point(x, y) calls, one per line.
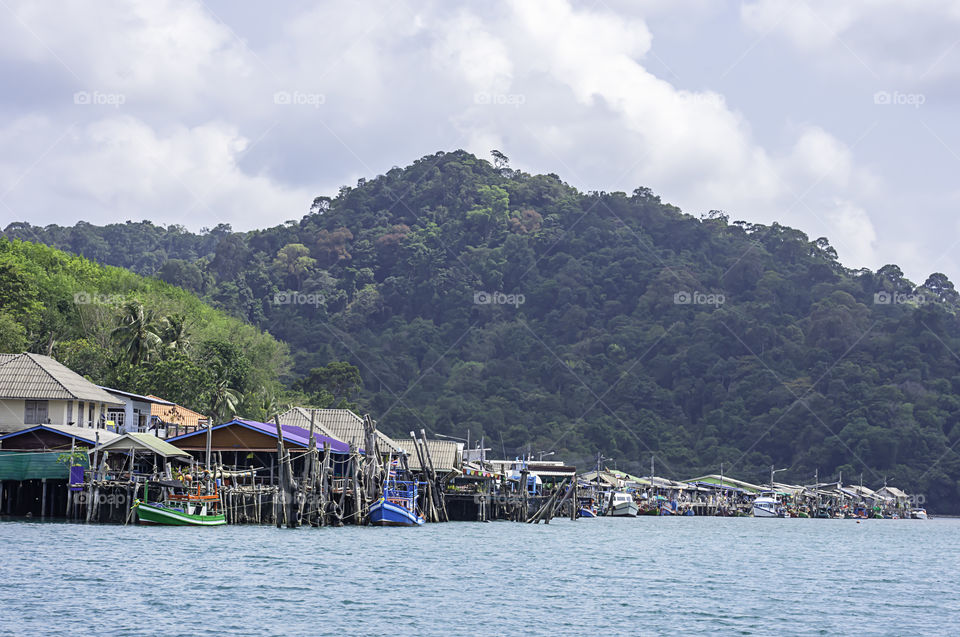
point(475, 297)
point(134, 333)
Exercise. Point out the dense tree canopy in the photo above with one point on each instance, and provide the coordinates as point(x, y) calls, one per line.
point(473, 296)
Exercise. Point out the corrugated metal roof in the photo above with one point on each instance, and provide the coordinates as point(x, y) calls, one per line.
point(446, 454)
point(143, 442)
point(341, 424)
point(727, 482)
point(894, 491)
point(292, 435)
point(138, 397)
point(37, 377)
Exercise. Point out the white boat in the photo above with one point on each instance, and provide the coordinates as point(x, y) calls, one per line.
point(623, 505)
point(918, 514)
point(767, 507)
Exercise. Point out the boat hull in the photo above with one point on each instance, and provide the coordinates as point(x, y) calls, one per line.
point(153, 514)
point(624, 510)
point(383, 513)
point(760, 512)
point(587, 513)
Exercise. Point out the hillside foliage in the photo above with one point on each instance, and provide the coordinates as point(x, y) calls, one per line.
point(475, 297)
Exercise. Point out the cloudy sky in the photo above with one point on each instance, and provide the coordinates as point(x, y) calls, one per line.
point(836, 118)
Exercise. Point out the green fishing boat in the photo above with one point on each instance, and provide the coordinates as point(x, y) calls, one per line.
point(156, 513)
point(182, 509)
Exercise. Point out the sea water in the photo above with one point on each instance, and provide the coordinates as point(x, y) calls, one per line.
point(606, 576)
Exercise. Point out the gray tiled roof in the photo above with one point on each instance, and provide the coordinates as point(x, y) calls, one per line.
point(36, 377)
point(445, 454)
point(341, 424)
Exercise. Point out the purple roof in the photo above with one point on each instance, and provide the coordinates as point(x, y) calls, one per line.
point(291, 433)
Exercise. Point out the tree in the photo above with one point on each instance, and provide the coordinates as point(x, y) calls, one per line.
point(941, 288)
point(339, 379)
point(13, 336)
point(223, 400)
point(137, 333)
point(294, 259)
point(174, 332)
point(181, 273)
point(500, 160)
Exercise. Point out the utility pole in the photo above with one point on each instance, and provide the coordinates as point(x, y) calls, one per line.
point(772, 472)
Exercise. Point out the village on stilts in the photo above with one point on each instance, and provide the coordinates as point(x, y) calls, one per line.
point(95, 454)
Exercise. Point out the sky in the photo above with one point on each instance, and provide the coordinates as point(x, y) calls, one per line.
point(832, 117)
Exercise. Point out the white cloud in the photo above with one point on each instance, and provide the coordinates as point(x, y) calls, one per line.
point(118, 168)
point(166, 51)
point(889, 38)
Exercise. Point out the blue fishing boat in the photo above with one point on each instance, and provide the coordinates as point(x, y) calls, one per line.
point(398, 506)
point(586, 512)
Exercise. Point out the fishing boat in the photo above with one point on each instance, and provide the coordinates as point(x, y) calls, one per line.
point(181, 509)
point(622, 505)
point(766, 506)
point(586, 512)
point(918, 514)
point(398, 506)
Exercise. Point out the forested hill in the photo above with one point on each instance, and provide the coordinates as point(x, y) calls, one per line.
point(472, 296)
point(135, 334)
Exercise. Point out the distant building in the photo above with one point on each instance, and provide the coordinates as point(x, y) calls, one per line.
point(341, 424)
point(446, 455)
point(172, 419)
point(135, 414)
point(37, 390)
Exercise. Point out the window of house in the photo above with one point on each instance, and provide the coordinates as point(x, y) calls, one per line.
point(69, 412)
point(117, 416)
point(35, 412)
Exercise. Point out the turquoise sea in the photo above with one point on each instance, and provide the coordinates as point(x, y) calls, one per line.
point(675, 576)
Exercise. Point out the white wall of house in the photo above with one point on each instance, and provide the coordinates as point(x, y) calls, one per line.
point(13, 412)
point(11, 415)
point(57, 412)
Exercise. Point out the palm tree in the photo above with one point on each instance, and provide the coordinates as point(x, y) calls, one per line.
point(137, 333)
point(224, 400)
point(175, 335)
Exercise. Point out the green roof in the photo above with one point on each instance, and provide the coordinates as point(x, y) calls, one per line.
point(22, 465)
point(727, 482)
point(143, 442)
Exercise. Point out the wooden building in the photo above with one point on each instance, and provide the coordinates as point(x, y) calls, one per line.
point(248, 444)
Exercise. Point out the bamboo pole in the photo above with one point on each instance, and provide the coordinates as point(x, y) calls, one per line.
point(427, 495)
point(209, 442)
point(438, 495)
point(324, 483)
point(283, 511)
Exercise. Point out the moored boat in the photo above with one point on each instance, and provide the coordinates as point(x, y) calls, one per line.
point(918, 514)
point(181, 509)
point(766, 506)
point(623, 505)
point(157, 513)
point(398, 506)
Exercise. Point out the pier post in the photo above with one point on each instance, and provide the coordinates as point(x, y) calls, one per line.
point(324, 483)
